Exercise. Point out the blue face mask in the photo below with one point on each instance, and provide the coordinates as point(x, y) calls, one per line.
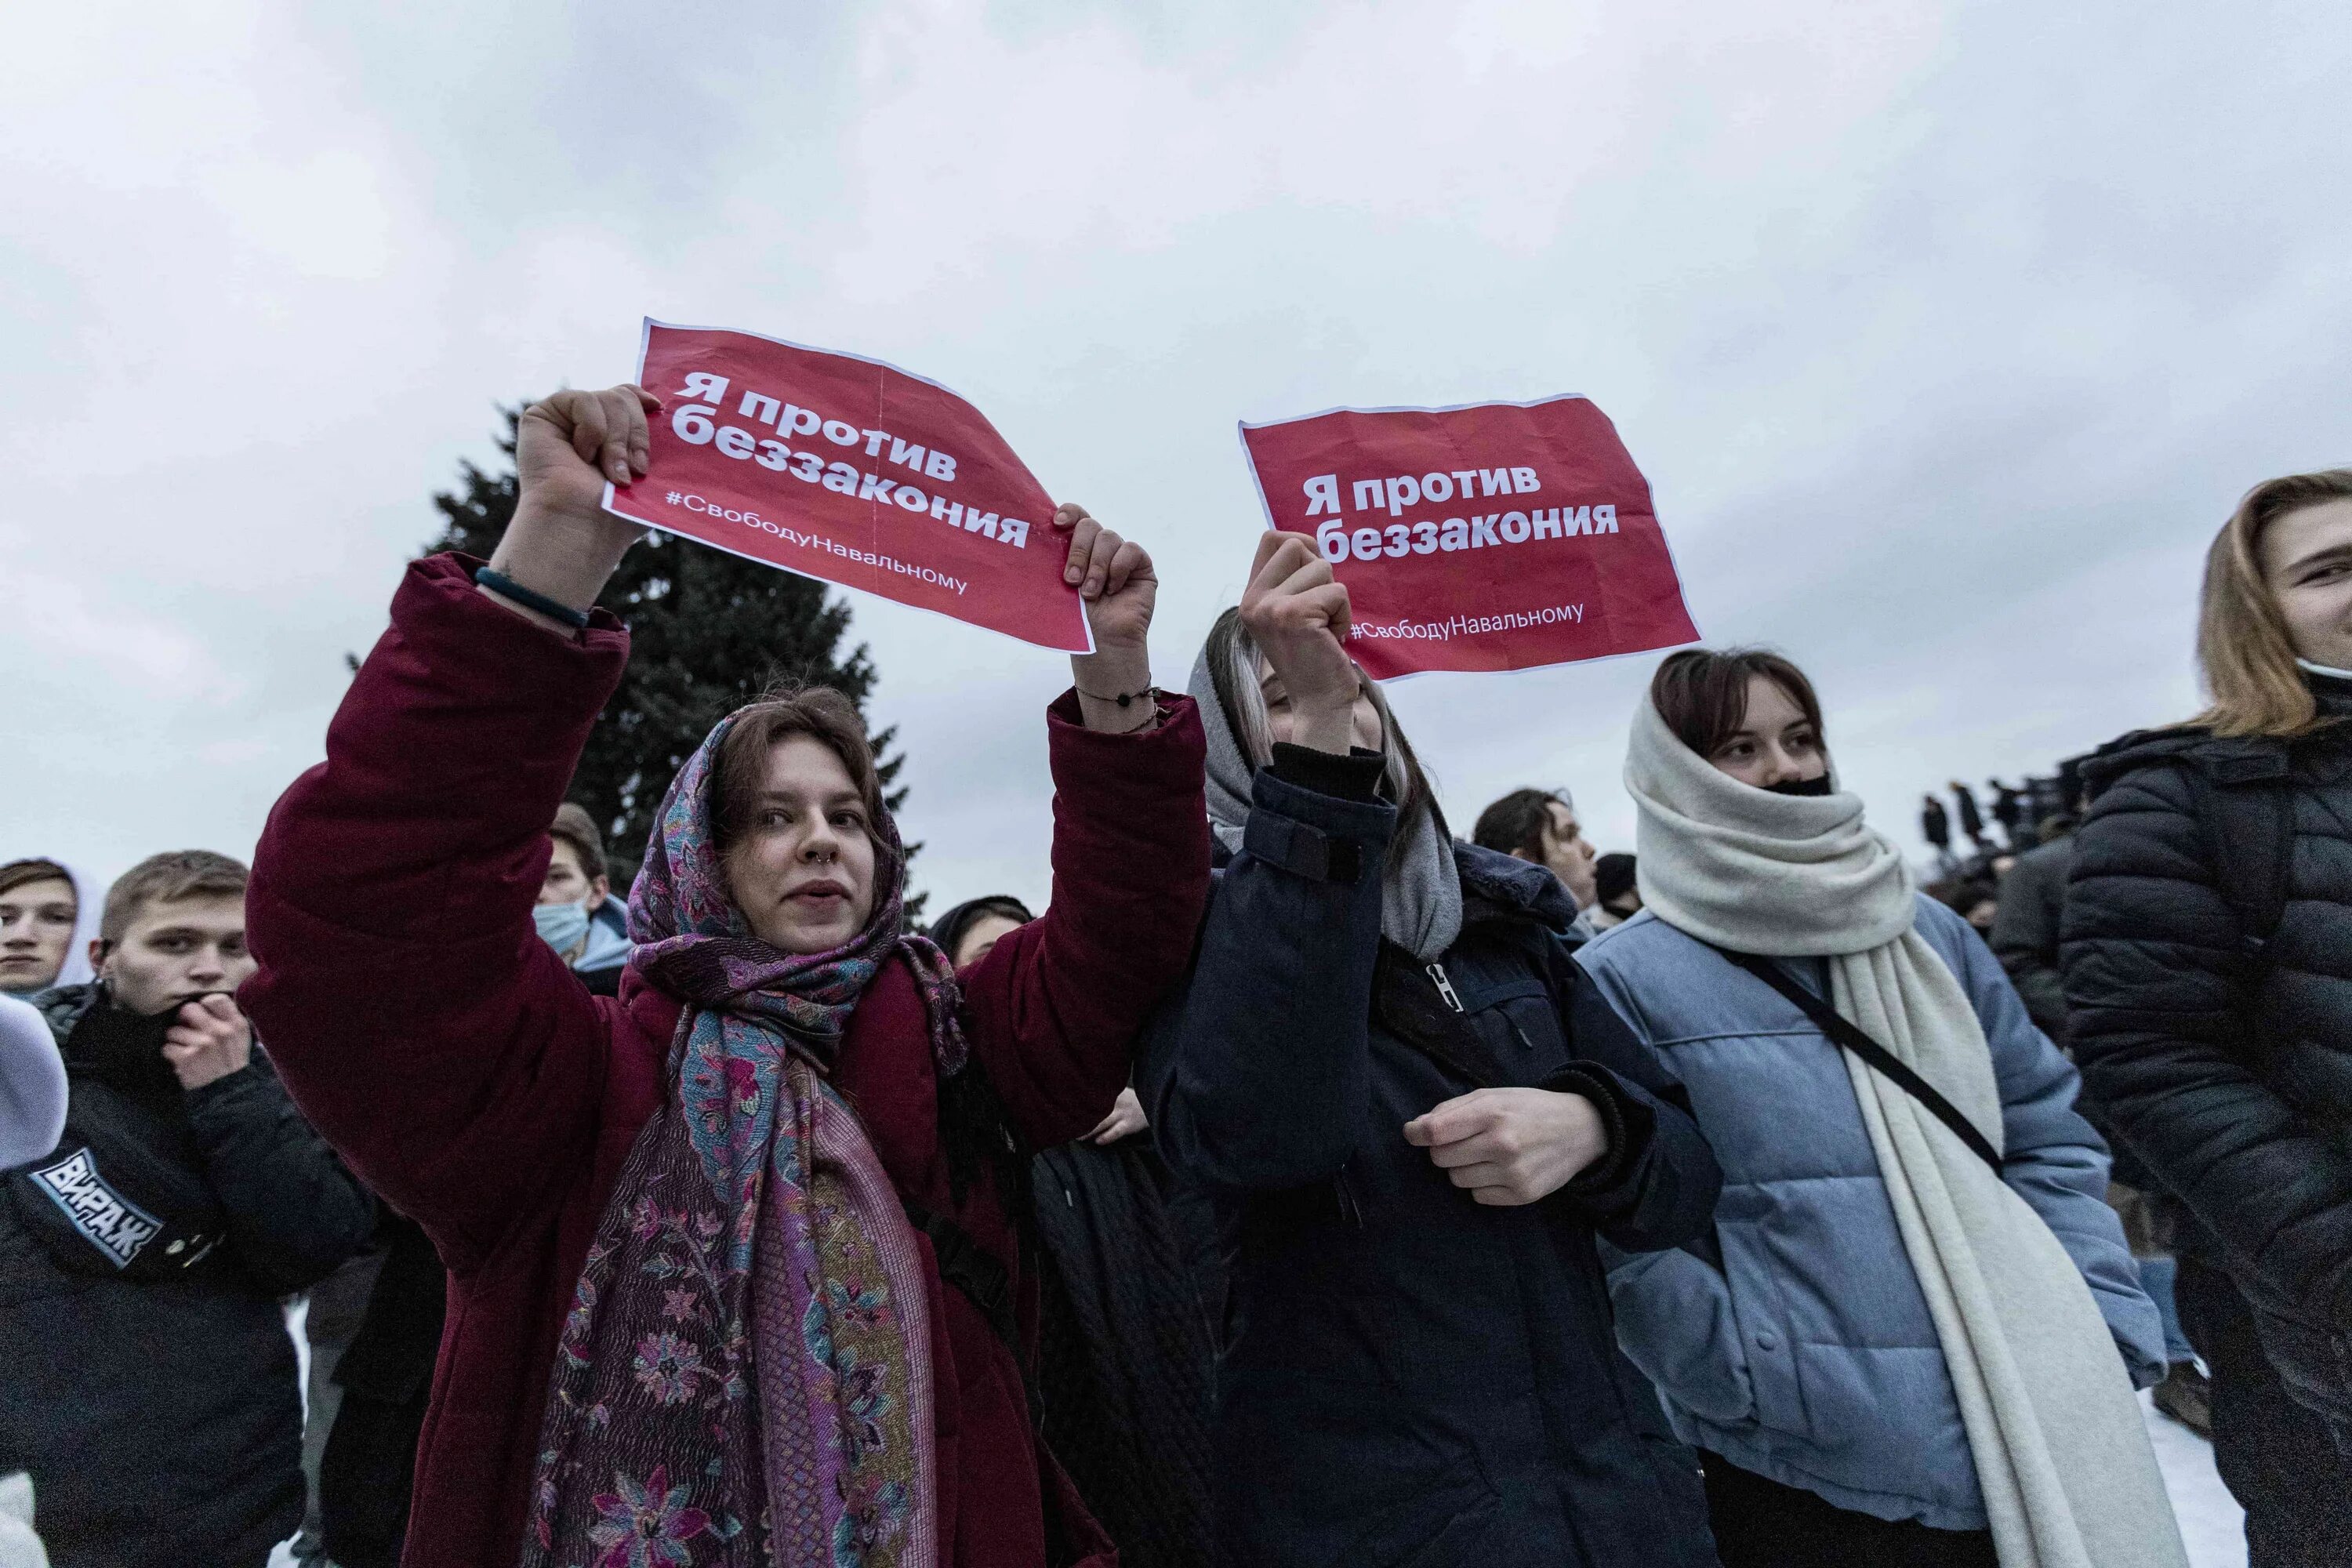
point(562, 926)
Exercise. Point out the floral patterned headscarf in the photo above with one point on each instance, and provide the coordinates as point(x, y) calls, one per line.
point(744, 1378)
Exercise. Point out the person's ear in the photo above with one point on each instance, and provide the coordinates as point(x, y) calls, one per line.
point(598, 891)
point(99, 949)
point(1530, 855)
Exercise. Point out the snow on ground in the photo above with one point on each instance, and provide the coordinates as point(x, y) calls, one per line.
point(2211, 1523)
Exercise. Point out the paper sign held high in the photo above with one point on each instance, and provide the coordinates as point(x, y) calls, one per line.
point(853, 471)
point(1497, 536)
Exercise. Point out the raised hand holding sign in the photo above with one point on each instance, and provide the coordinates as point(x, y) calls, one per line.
point(562, 544)
point(1299, 616)
point(577, 451)
point(1499, 536)
point(853, 471)
point(1116, 583)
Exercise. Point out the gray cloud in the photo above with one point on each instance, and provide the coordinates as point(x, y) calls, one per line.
point(1946, 334)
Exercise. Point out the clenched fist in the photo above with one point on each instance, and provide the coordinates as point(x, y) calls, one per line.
point(1297, 614)
point(1117, 584)
point(563, 543)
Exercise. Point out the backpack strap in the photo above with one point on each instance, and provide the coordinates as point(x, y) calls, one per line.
point(1842, 1029)
point(2248, 816)
point(973, 1270)
point(973, 1273)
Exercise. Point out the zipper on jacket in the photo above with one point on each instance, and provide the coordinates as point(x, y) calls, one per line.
point(1349, 1210)
point(1444, 986)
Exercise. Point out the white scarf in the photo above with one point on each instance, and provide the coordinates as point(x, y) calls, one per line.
point(2062, 1456)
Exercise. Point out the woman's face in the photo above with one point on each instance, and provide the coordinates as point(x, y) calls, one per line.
point(1775, 743)
point(802, 871)
point(980, 941)
point(1281, 722)
point(2306, 559)
point(37, 924)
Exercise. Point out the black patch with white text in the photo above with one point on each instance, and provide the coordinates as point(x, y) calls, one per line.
point(109, 1221)
point(104, 1216)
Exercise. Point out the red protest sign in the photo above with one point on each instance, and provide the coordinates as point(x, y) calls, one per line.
point(853, 471)
point(1497, 536)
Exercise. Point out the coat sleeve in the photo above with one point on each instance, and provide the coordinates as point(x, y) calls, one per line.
point(2164, 1027)
point(1675, 1316)
point(1056, 1007)
point(294, 1213)
point(417, 1019)
point(1657, 1185)
point(2052, 1157)
point(2025, 937)
point(1255, 1075)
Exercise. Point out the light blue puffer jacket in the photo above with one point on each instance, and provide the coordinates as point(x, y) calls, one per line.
point(1809, 1356)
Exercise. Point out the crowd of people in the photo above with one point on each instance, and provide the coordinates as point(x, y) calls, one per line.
point(1306, 1184)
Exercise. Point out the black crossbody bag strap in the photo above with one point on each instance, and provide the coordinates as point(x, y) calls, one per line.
point(1838, 1027)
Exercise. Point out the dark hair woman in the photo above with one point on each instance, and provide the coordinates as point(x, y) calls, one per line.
point(969, 932)
point(2209, 994)
point(732, 1276)
point(1389, 1072)
point(1901, 1347)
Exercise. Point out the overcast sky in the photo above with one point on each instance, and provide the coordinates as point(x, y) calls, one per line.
point(1947, 333)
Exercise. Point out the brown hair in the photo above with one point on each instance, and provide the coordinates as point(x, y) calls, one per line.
point(576, 828)
point(821, 713)
point(18, 874)
point(166, 879)
point(1702, 694)
point(1515, 825)
point(2242, 646)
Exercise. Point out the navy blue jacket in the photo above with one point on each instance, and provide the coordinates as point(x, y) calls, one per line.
point(1409, 1376)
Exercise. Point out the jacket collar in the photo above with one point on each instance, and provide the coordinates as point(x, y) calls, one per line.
point(2331, 689)
point(1496, 886)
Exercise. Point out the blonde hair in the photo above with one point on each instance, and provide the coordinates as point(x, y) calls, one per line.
point(2242, 646)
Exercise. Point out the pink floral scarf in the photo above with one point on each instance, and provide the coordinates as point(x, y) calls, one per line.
point(744, 1378)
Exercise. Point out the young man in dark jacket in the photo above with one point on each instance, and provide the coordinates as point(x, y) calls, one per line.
point(151, 1380)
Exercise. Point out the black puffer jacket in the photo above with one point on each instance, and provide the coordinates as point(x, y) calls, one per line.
point(150, 1385)
point(2229, 1074)
point(2025, 932)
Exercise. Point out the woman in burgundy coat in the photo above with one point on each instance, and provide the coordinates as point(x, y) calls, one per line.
point(732, 1276)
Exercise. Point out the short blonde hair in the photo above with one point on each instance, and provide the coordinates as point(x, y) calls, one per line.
point(2242, 646)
